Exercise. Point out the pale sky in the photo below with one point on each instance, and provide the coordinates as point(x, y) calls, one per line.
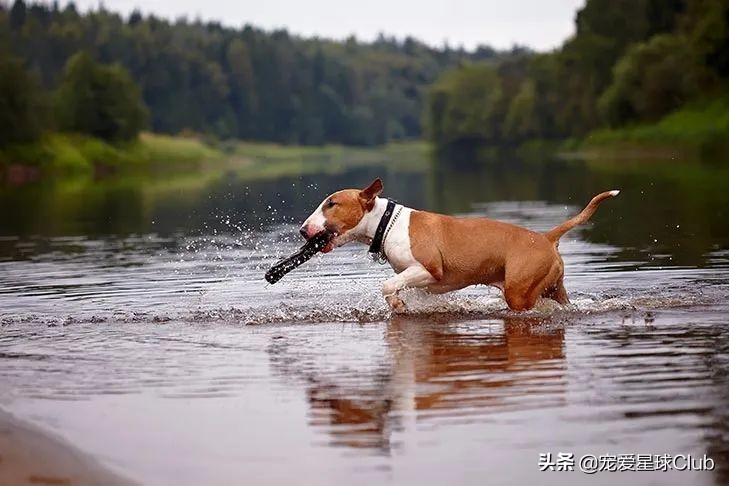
point(540, 24)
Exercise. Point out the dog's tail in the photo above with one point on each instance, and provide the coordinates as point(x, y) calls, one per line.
point(556, 233)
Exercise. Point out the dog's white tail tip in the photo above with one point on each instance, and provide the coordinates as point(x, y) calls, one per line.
point(615, 192)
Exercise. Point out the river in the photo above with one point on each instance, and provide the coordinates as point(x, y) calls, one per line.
point(136, 324)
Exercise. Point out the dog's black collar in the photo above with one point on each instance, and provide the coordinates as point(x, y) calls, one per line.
point(376, 245)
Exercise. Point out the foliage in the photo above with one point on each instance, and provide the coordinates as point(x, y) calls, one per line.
point(707, 26)
point(22, 104)
point(396, 154)
point(163, 148)
point(630, 61)
point(701, 127)
point(155, 153)
point(464, 105)
point(78, 153)
point(99, 100)
point(651, 80)
point(241, 83)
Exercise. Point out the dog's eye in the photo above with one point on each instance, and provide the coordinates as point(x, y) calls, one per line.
point(331, 204)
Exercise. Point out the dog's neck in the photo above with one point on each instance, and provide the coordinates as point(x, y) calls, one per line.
point(368, 225)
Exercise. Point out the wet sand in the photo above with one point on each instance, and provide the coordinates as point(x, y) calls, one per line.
point(29, 455)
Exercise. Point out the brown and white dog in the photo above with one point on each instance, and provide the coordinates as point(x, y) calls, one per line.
point(443, 253)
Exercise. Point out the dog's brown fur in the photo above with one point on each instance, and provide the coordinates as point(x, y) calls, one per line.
point(459, 252)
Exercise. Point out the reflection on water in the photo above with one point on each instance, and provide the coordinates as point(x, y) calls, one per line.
point(124, 306)
point(435, 369)
point(671, 213)
point(411, 400)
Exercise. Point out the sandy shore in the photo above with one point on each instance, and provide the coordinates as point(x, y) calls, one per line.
point(29, 455)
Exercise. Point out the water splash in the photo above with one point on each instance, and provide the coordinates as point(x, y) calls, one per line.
point(217, 276)
point(368, 309)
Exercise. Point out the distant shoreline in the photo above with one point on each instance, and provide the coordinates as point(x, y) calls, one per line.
point(64, 155)
point(69, 153)
point(30, 455)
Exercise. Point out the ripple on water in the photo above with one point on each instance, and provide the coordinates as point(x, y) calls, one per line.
point(156, 327)
point(220, 278)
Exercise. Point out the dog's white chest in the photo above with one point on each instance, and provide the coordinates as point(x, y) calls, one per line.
point(397, 243)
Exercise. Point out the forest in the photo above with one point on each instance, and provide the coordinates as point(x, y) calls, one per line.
point(89, 72)
point(653, 68)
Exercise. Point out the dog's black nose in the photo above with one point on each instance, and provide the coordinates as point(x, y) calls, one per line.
point(303, 232)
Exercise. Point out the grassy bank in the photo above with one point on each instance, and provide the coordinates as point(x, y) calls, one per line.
point(71, 153)
point(402, 154)
point(699, 130)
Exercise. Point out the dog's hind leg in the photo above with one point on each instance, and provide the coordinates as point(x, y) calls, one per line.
point(412, 277)
point(555, 290)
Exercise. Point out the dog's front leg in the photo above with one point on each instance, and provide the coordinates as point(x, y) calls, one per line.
point(415, 276)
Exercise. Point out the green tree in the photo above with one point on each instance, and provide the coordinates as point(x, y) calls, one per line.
point(242, 86)
point(17, 16)
point(706, 24)
point(99, 100)
point(521, 120)
point(464, 106)
point(629, 60)
point(247, 82)
point(652, 79)
point(22, 104)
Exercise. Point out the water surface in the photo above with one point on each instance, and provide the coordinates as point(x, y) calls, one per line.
point(136, 324)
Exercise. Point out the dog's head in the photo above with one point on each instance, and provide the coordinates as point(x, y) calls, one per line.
point(341, 213)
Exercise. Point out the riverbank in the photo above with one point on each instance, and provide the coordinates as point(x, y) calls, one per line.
point(72, 153)
point(29, 455)
point(697, 131)
point(73, 156)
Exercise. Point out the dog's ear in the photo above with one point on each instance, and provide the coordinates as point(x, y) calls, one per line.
point(369, 193)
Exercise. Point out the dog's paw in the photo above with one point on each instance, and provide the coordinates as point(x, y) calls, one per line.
point(396, 304)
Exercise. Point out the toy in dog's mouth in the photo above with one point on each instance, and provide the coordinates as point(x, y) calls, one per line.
point(322, 241)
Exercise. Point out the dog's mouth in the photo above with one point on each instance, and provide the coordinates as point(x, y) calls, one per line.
point(329, 246)
point(323, 241)
point(327, 238)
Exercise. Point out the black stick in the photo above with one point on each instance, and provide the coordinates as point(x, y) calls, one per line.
point(312, 246)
